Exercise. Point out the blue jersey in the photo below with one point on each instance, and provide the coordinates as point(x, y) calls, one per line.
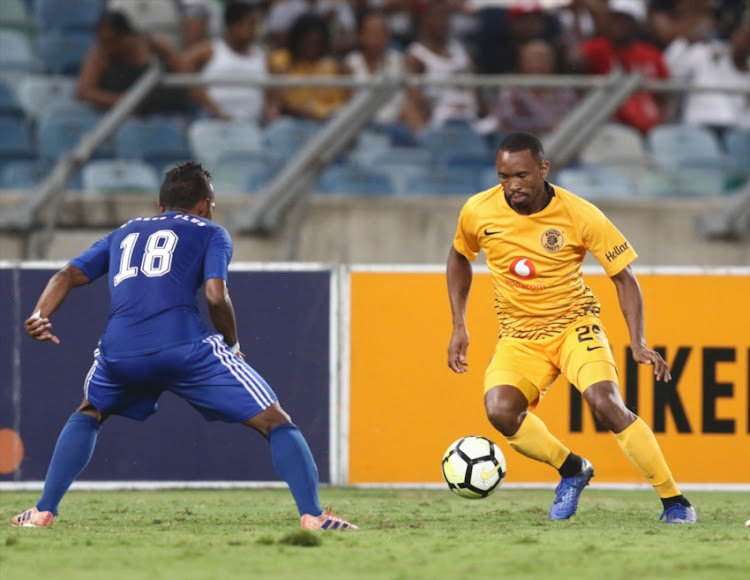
point(155, 267)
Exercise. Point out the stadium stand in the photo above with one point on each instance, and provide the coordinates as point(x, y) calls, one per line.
point(119, 175)
point(209, 138)
point(351, 179)
point(595, 182)
point(62, 52)
point(36, 92)
point(67, 15)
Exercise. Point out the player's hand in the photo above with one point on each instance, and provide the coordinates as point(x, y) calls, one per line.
point(457, 350)
point(646, 356)
point(38, 328)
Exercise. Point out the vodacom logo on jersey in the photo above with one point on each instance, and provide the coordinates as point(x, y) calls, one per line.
point(523, 269)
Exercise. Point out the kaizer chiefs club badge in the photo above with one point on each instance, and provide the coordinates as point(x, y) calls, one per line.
point(552, 240)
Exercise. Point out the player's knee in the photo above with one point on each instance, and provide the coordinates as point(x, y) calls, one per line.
point(608, 407)
point(504, 415)
point(269, 418)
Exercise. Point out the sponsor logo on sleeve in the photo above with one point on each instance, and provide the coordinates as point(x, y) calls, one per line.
point(616, 251)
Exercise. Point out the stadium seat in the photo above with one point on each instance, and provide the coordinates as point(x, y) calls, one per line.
point(401, 164)
point(488, 178)
point(209, 138)
point(68, 110)
point(682, 183)
point(9, 106)
point(15, 140)
point(287, 136)
point(618, 146)
point(14, 14)
point(476, 160)
point(445, 182)
point(353, 179)
point(674, 146)
point(53, 15)
point(38, 91)
point(62, 53)
point(737, 145)
point(160, 16)
point(242, 171)
point(596, 182)
point(56, 135)
point(23, 174)
point(15, 52)
point(452, 138)
point(120, 176)
point(158, 140)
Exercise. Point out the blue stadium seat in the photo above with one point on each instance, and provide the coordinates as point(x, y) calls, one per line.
point(445, 182)
point(401, 164)
point(209, 138)
point(57, 135)
point(9, 106)
point(15, 140)
point(675, 146)
point(453, 137)
point(243, 171)
point(488, 178)
point(52, 15)
point(352, 179)
point(158, 140)
point(287, 136)
point(63, 53)
point(15, 52)
point(35, 92)
point(120, 175)
point(68, 110)
point(477, 160)
point(596, 182)
point(737, 145)
point(23, 174)
point(683, 183)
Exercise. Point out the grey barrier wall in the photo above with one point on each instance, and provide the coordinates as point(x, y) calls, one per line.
point(284, 327)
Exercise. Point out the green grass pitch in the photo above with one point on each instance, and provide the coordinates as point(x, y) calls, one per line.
point(405, 534)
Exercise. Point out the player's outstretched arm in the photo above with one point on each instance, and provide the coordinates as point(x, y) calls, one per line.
point(38, 325)
point(631, 304)
point(459, 275)
point(221, 311)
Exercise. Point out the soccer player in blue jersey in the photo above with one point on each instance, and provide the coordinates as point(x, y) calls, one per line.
point(155, 341)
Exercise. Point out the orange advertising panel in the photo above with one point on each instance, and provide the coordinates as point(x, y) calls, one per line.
point(406, 406)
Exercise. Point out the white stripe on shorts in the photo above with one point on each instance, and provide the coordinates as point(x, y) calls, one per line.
point(240, 371)
point(88, 377)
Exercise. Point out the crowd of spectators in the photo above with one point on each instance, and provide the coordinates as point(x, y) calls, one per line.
point(706, 41)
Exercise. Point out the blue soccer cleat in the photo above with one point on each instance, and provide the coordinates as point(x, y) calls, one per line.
point(679, 514)
point(568, 491)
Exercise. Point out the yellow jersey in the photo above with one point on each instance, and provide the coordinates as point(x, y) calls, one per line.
point(536, 260)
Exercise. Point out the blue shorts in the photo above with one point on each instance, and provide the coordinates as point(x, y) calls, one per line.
point(206, 374)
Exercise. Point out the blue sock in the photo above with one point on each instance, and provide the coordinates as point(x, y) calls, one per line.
point(72, 453)
point(294, 463)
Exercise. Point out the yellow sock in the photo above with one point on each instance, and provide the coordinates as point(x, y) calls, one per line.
point(534, 440)
point(640, 446)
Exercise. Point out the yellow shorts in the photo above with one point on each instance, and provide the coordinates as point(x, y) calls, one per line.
point(581, 353)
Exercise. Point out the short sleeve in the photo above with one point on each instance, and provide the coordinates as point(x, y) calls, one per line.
point(605, 242)
point(94, 262)
point(466, 242)
point(218, 256)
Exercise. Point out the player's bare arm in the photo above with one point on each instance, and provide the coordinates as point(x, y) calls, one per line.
point(38, 324)
point(631, 304)
point(459, 276)
point(221, 311)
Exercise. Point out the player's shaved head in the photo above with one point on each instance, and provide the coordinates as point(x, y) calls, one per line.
point(517, 142)
point(184, 186)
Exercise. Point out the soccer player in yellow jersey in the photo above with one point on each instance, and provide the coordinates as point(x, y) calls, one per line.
point(535, 236)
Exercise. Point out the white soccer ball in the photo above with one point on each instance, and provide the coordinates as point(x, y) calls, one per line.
point(473, 467)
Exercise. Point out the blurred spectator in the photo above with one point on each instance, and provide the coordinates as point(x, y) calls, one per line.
point(535, 110)
point(503, 31)
point(400, 15)
point(374, 58)
point(201, 20)
point(694, 20)
point(580, 20)
point(117, 59)
point(236, 55)
point(714, 62)
point(308, 53)
point(618, 47)
point(438, 56)
point(338, 14)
